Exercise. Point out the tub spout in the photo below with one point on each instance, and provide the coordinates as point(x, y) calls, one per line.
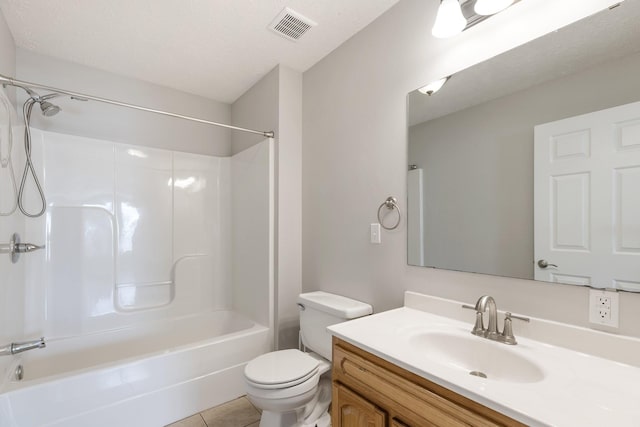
point(19, 347)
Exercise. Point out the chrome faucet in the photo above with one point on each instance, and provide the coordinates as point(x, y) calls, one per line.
point(14, 248)
point(483, 303)
point(491, 332)
point(19, 347)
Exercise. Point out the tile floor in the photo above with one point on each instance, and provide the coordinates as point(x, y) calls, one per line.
point(237, 413)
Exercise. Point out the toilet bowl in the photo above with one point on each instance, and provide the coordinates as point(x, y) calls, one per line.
point(282, 384)
point(286, 384)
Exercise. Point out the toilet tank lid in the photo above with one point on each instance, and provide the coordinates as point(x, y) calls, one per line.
point(336, 305)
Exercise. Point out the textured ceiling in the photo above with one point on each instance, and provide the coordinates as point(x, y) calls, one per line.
point(214, 48)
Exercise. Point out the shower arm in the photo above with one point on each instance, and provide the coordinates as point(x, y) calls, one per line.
point(4, 80)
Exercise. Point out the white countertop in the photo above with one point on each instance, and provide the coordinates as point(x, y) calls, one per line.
point(577, 389)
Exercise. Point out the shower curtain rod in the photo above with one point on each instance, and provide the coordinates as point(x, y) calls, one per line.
point(82, 97)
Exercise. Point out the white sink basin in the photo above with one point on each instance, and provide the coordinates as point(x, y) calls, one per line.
point(536, 382)
point(477, 356)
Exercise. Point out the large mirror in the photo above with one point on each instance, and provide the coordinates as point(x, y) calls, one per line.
point(528, 165)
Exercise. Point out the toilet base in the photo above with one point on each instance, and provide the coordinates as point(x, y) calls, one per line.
point(290, 419)
point(313, 414)
point(323, 421)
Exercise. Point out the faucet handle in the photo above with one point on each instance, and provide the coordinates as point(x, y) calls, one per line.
point(507, 336)
point(513, 316)
point(478, 328)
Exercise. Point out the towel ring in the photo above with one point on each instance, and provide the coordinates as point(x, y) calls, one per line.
point(391, 203)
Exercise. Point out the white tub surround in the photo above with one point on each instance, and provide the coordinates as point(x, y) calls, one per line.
point(132, 234)
point(561, 375)
point(138, 290)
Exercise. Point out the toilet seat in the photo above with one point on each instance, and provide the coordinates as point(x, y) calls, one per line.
point(305, 388)
point(286, 384)
point(281, 369)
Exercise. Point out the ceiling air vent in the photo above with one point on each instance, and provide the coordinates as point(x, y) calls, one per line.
point(291, 25)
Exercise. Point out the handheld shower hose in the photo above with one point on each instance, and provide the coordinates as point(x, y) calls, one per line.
point(48, 109)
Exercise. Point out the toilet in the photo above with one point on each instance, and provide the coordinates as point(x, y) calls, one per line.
point(287, 385)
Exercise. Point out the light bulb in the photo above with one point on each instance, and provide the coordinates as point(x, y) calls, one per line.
point(449, 20)
point(491, 7)
point(433, 87)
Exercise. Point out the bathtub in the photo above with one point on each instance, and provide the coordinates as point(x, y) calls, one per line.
point(148, 375)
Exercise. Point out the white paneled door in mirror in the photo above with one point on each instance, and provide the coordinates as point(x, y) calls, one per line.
point(587, 199)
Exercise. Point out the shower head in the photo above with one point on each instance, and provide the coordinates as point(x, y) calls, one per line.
point(49, 109)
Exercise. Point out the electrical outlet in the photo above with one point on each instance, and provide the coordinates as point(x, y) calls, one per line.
point(603, 308)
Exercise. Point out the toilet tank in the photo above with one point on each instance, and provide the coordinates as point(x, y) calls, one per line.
point(318, 310)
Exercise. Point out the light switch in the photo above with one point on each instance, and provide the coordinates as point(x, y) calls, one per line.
point(375, 233)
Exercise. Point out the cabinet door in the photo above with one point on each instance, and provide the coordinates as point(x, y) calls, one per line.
point(397, 423)
point(352, 410)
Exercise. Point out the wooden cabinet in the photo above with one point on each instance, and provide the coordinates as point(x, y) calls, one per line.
point(352, 410)
point(369, 391)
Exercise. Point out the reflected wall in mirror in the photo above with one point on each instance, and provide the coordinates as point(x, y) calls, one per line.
point(472, 179)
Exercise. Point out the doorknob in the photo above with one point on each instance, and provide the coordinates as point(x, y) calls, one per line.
point(544, 264)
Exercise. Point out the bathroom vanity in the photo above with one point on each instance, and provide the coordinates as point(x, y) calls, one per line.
point(420, 365)
point(370, 391)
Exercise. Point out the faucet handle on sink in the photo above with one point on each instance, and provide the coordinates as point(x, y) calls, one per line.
point(478, 328)
point(507, 336)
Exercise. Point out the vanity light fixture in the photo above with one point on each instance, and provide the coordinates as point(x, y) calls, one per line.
point(455, 16)
point(433, 87)
point(491, 7)
point(449, 20)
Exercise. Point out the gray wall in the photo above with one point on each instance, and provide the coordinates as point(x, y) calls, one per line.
point(275, 103)
point(102, 121)
point(289, 225)
point(256, 109)
point(354, 156)
point(478, 168)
